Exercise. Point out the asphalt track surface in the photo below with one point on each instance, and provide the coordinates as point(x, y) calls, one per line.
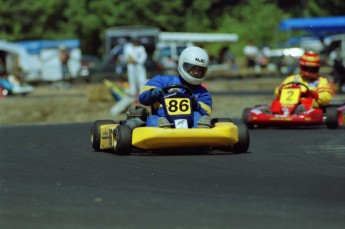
point(50, 177)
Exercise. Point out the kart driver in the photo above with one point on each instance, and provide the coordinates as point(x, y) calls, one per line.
point(319, 89)
point(192, 68)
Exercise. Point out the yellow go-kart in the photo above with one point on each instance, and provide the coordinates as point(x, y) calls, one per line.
point(123, 138)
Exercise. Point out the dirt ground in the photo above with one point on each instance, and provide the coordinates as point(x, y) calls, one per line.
point(53, 103)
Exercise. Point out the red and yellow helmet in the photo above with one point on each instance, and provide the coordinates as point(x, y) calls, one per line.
point(309, 65)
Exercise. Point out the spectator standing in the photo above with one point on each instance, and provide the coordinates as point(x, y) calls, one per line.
point(251, 52)
point(263, 58)
point(64, 58)
point(337, 62)
point(227, 57)
point(135, 56)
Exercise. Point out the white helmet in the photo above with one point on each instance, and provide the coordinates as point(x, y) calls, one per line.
point(193, 64)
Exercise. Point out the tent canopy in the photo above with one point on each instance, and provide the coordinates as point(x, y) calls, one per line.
point(197, 37)
point(319, 24)
point(25, 61)
point(35, 46)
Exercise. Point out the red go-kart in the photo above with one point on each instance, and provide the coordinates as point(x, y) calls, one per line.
point(286, 110)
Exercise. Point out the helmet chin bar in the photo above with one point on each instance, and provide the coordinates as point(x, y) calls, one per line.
point(310, 76)
point(192, 82)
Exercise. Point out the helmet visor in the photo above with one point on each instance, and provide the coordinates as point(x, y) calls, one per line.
point(195, 71)
point(310, 69)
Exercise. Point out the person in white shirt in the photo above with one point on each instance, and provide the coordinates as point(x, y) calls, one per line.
point(135, 56)
point(251, 52)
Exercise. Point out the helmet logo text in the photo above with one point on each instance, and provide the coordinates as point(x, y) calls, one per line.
point(200, 60)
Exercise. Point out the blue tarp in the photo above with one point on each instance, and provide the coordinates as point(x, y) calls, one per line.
point(319, 24)
point(34, 47)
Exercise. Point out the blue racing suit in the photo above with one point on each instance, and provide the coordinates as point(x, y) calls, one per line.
point(200, 92)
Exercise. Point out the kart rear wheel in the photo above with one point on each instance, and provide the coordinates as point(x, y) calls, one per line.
point(243, 139)
point(96, 133)
point(123, 140)
point(332, 117)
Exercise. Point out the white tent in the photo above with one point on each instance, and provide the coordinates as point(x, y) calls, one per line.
point(197, 37)
point(173, 40)
point(27, 64)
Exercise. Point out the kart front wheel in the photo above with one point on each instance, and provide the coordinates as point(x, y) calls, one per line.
point(243, 139)
point(245, 116)
point(123, 140)
point(332, 117)
point(96, 133)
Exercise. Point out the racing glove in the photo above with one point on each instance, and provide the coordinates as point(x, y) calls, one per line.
point(195, 104)
point(156, 93)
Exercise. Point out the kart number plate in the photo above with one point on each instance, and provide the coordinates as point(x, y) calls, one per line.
point(181, 123)
point(178, 106)
point(290, 96)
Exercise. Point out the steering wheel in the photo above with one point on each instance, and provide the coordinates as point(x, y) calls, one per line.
point(178, 86)
point(291, 85)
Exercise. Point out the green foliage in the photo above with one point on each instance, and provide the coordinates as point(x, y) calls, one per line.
point(196, 19)
point(88, 19)
point(256, 20)
point(260, 19)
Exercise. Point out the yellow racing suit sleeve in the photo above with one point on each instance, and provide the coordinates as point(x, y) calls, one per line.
point(324, 91)
point(288, 79)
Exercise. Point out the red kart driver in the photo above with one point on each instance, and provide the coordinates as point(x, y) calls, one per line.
point(319, 89)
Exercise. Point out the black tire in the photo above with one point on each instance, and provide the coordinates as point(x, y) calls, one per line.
point(215, 120)
point(245, 112)
point(96, 133)
point(332, 118)
point(342, 88)
point(243, 139)
point(244, 117)
point(123, 140)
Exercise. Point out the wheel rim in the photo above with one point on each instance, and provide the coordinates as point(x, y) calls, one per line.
point(342, 88)
point(92, 134)
point(115, 139)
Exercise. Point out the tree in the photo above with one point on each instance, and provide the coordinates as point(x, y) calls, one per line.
point(256, 20)
point(88, 19)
